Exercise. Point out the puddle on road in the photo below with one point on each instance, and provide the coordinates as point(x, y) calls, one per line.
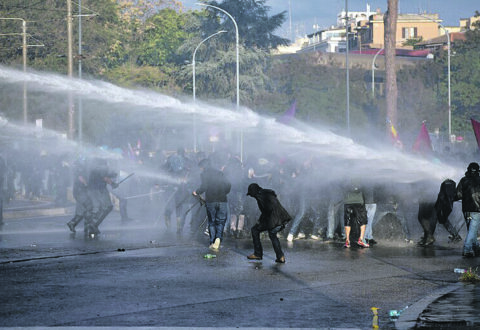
point(458, 309)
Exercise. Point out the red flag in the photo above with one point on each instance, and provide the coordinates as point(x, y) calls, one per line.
point(476, 130)
point(289, 114)
point(423, 144)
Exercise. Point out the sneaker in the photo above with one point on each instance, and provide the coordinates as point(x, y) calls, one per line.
point(347, 244)
point(71, 227)
point(315, 237)
point(290, 237)
point(362, 244)
point(429, 241)
point(253, 257)
point(421, 242)
point(300, 235)
point(371, 241)
point(455, 239)
point(216, 244)
point(280, 260)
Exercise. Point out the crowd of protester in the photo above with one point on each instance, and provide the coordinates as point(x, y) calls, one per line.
point(164, 180)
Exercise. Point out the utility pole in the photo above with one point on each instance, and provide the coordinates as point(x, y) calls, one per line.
point(24, 54)
point(347, 23)
point(71, 110)
point(80, 106)
point(390, 23)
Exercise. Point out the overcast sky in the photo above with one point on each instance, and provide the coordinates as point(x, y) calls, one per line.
point(306, 13)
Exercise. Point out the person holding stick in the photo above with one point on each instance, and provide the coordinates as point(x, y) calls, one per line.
point(216, 187)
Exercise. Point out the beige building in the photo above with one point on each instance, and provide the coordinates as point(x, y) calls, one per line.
point(467, 23)
point(409, 26)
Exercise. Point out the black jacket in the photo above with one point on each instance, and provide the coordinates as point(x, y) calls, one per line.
point(445, 199)
point(214, 185)
point(468, 190)
point(273, 213)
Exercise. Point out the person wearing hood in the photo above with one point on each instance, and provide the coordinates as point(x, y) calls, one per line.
point(273, 219)
point(430, 213)
point(468, 190)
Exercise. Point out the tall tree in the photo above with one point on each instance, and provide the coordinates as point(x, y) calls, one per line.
point(465, 79)
point(217, 74)
point(164, 33)
point(255, 28)
point(390, 40)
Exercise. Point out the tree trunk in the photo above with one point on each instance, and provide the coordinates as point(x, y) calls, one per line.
point(390, 24)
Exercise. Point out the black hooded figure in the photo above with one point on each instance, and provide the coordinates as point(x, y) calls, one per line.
point(430, 213)
point(468, 190)
point(272, 219)
point(444, 207)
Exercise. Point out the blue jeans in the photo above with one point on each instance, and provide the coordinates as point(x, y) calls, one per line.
point(471, 243)
point(298, 217)
point(371, 210)
point(217, 213)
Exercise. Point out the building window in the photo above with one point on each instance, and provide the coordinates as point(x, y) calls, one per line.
point(409, 33)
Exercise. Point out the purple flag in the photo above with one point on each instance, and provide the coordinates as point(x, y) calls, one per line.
point(476, 130)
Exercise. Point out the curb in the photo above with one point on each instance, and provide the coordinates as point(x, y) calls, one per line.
point(32, 213)
point(408, 319)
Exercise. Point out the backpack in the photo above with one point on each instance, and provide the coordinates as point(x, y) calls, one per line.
point(176, 164)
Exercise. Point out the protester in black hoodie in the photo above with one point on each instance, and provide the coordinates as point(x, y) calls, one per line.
point(272, 219)
point(468, 190)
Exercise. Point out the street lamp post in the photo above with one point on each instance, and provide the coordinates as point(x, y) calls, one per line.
point(236, 47)
point(194, 88)
point(80, 58)
point(373, 71)
point(347, 66)
point(448, 64)
point(193, 59)
point(238, 67)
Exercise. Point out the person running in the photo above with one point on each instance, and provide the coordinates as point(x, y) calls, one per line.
point(99, 177)
point(84, 205)
point(216, 187)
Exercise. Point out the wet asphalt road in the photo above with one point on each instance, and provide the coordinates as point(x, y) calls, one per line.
point(140, 275)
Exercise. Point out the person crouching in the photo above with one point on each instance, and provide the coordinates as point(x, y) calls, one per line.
point(273, 218)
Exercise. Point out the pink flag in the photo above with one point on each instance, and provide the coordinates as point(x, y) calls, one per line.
point(423, 144)
point(289, 114)
point(476, 130)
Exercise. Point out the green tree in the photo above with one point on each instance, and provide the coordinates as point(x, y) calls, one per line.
point(412, 41)
point(216, 72)
point(465, 79)
point(255, 28)
point(164, 33)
